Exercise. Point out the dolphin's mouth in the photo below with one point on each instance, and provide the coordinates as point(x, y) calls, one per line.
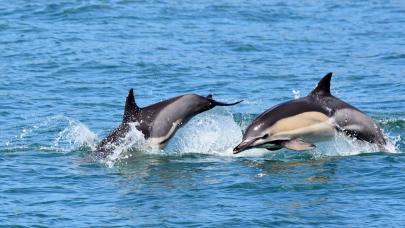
point(247, 144)
point(244, 145)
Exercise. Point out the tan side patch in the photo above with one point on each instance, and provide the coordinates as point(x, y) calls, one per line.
point(307, 123)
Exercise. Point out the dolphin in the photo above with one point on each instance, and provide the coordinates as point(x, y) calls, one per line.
point(159, 122)
point(297, 124)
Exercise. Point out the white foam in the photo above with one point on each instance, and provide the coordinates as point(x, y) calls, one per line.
point(75, 135)
point(126, 147)
point(297, 93)
point(342, 145)
point(393, 143)
point(213, 133)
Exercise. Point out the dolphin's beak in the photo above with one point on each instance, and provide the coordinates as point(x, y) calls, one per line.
point(244, 145)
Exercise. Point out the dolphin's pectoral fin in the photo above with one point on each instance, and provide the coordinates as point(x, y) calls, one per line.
point(274, 148)
point(297, 144)
point(130, 108)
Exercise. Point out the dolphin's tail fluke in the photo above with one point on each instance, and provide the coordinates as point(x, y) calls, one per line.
point(217, 103)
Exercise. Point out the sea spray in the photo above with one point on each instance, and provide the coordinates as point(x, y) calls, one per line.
point(212, 133)
point(62, 134)
point(74, 136)
point(125, 148)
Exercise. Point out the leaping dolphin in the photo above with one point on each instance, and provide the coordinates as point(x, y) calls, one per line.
point(296, 124)
point(159, 122)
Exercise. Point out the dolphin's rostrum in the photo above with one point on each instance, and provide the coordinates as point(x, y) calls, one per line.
point(159, 122)
point(296, 124)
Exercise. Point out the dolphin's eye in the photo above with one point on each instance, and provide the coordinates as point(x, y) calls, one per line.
point(265, 136)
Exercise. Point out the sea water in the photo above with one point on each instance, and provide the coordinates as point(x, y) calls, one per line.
point(66, 68)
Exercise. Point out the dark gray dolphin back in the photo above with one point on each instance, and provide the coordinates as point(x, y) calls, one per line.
point(284, 110)
point(348, 119)
point(323, 97)
point(290, 108)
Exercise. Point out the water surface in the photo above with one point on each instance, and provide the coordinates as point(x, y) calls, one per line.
point(66, 68)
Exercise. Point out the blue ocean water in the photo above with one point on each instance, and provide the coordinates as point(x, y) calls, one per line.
point(66, 67)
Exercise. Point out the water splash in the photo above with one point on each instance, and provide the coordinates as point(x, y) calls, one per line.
point(213, 133)
point(342, 145)
point(74, 136)
point(127, 147)
point(394, 124)
point(297, 93)
point(70, 135)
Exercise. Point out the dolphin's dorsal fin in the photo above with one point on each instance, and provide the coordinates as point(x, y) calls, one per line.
point(130, 108)
point(209, 96)
point(323, 87)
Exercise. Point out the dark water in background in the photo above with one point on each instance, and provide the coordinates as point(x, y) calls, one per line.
point(66, 67)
